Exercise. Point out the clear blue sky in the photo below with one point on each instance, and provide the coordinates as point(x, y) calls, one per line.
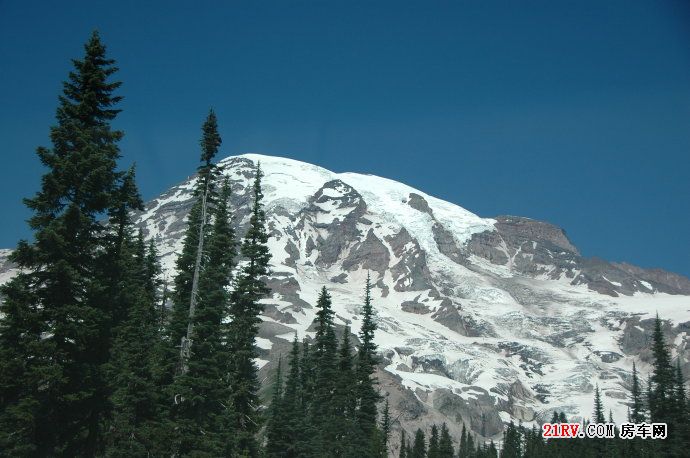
point(574, 112)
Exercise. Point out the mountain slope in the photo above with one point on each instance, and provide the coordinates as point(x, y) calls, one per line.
point(480, 320)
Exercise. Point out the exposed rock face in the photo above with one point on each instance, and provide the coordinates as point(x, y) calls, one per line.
point(537, 248)
point(479, 320)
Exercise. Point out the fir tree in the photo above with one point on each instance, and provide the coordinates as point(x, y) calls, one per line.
point(292, 411)
point(512, 442)
point(637, 405)
point(276, 435)
point(445, 445)
point(385, 427)
point(598, 413)
point(419, 446)
point(250, 288)
point(433, 451)
point(134, 398)
point(662, 400)
point(202, 415)
point(367, 395)
point(403, 445)
point(54, 331)
point(324, 355)
point(344, 398)
point(463, 449)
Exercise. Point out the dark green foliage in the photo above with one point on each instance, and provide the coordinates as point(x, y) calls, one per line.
point(367, 396)
point(202, 414)
point(250, 288)
point(433, 451)
point(445, 445)
point(55, 331)
point(637, 408)
point(403, 445)
point(662, 400)
point(385, 427)
point(463, 450)
point(276, 434)
point(419, 446)
point(285, 429)
point(344, 398)
point(324, 353)
point(598, 413)
point(512, 442)
point(134, 397)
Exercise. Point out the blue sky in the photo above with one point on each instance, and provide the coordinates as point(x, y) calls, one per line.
point(574, 112)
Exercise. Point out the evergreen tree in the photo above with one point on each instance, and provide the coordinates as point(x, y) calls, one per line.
point(202, 414)
point(637, 405)
point(367, 396)
point(445, 445)
point(307, 387)
point(419, 446)
point(662, 400)
point(433, 451)
point(403, 445)
point(324, 355)
point(134, 398)
point(512, 442)
point(462, 449)
point(385, 428)
point(291, 445)
point(344, 397)
point(276, 433)
point(250, 288)
point(598, 413)
point(54, 330)
point(492, 452)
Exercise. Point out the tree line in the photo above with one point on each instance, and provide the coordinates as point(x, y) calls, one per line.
point(662, 399)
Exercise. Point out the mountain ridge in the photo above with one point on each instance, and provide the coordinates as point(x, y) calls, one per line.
point(481, 320)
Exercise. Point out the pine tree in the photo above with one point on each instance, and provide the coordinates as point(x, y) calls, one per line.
point(344, 398)
point(445, 446)
point(202, 414)
point(637, 407)
point(662, 399)
point(293, 418)
point(463, 450)
point(324, 355)
point(403, 445)
point(512, 442)
point(275, 429)
point(134, 398)
point(210, 143)
point(250, 288)
point(598, 413)
point(433, 451)
point(385, 428)
point(419, 446)
point(367, 395)
point(55, 318)
point(175, 349)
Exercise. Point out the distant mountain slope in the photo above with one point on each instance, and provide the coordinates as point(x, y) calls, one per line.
point(480, 319)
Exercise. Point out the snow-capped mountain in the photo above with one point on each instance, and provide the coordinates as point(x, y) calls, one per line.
point(480, 319)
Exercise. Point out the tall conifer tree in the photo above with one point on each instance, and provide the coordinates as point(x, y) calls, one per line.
point(637, 408)
point(202, 414)
point(135, 409)
point(250, 288)
point(367, 396)
point(54, 331)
